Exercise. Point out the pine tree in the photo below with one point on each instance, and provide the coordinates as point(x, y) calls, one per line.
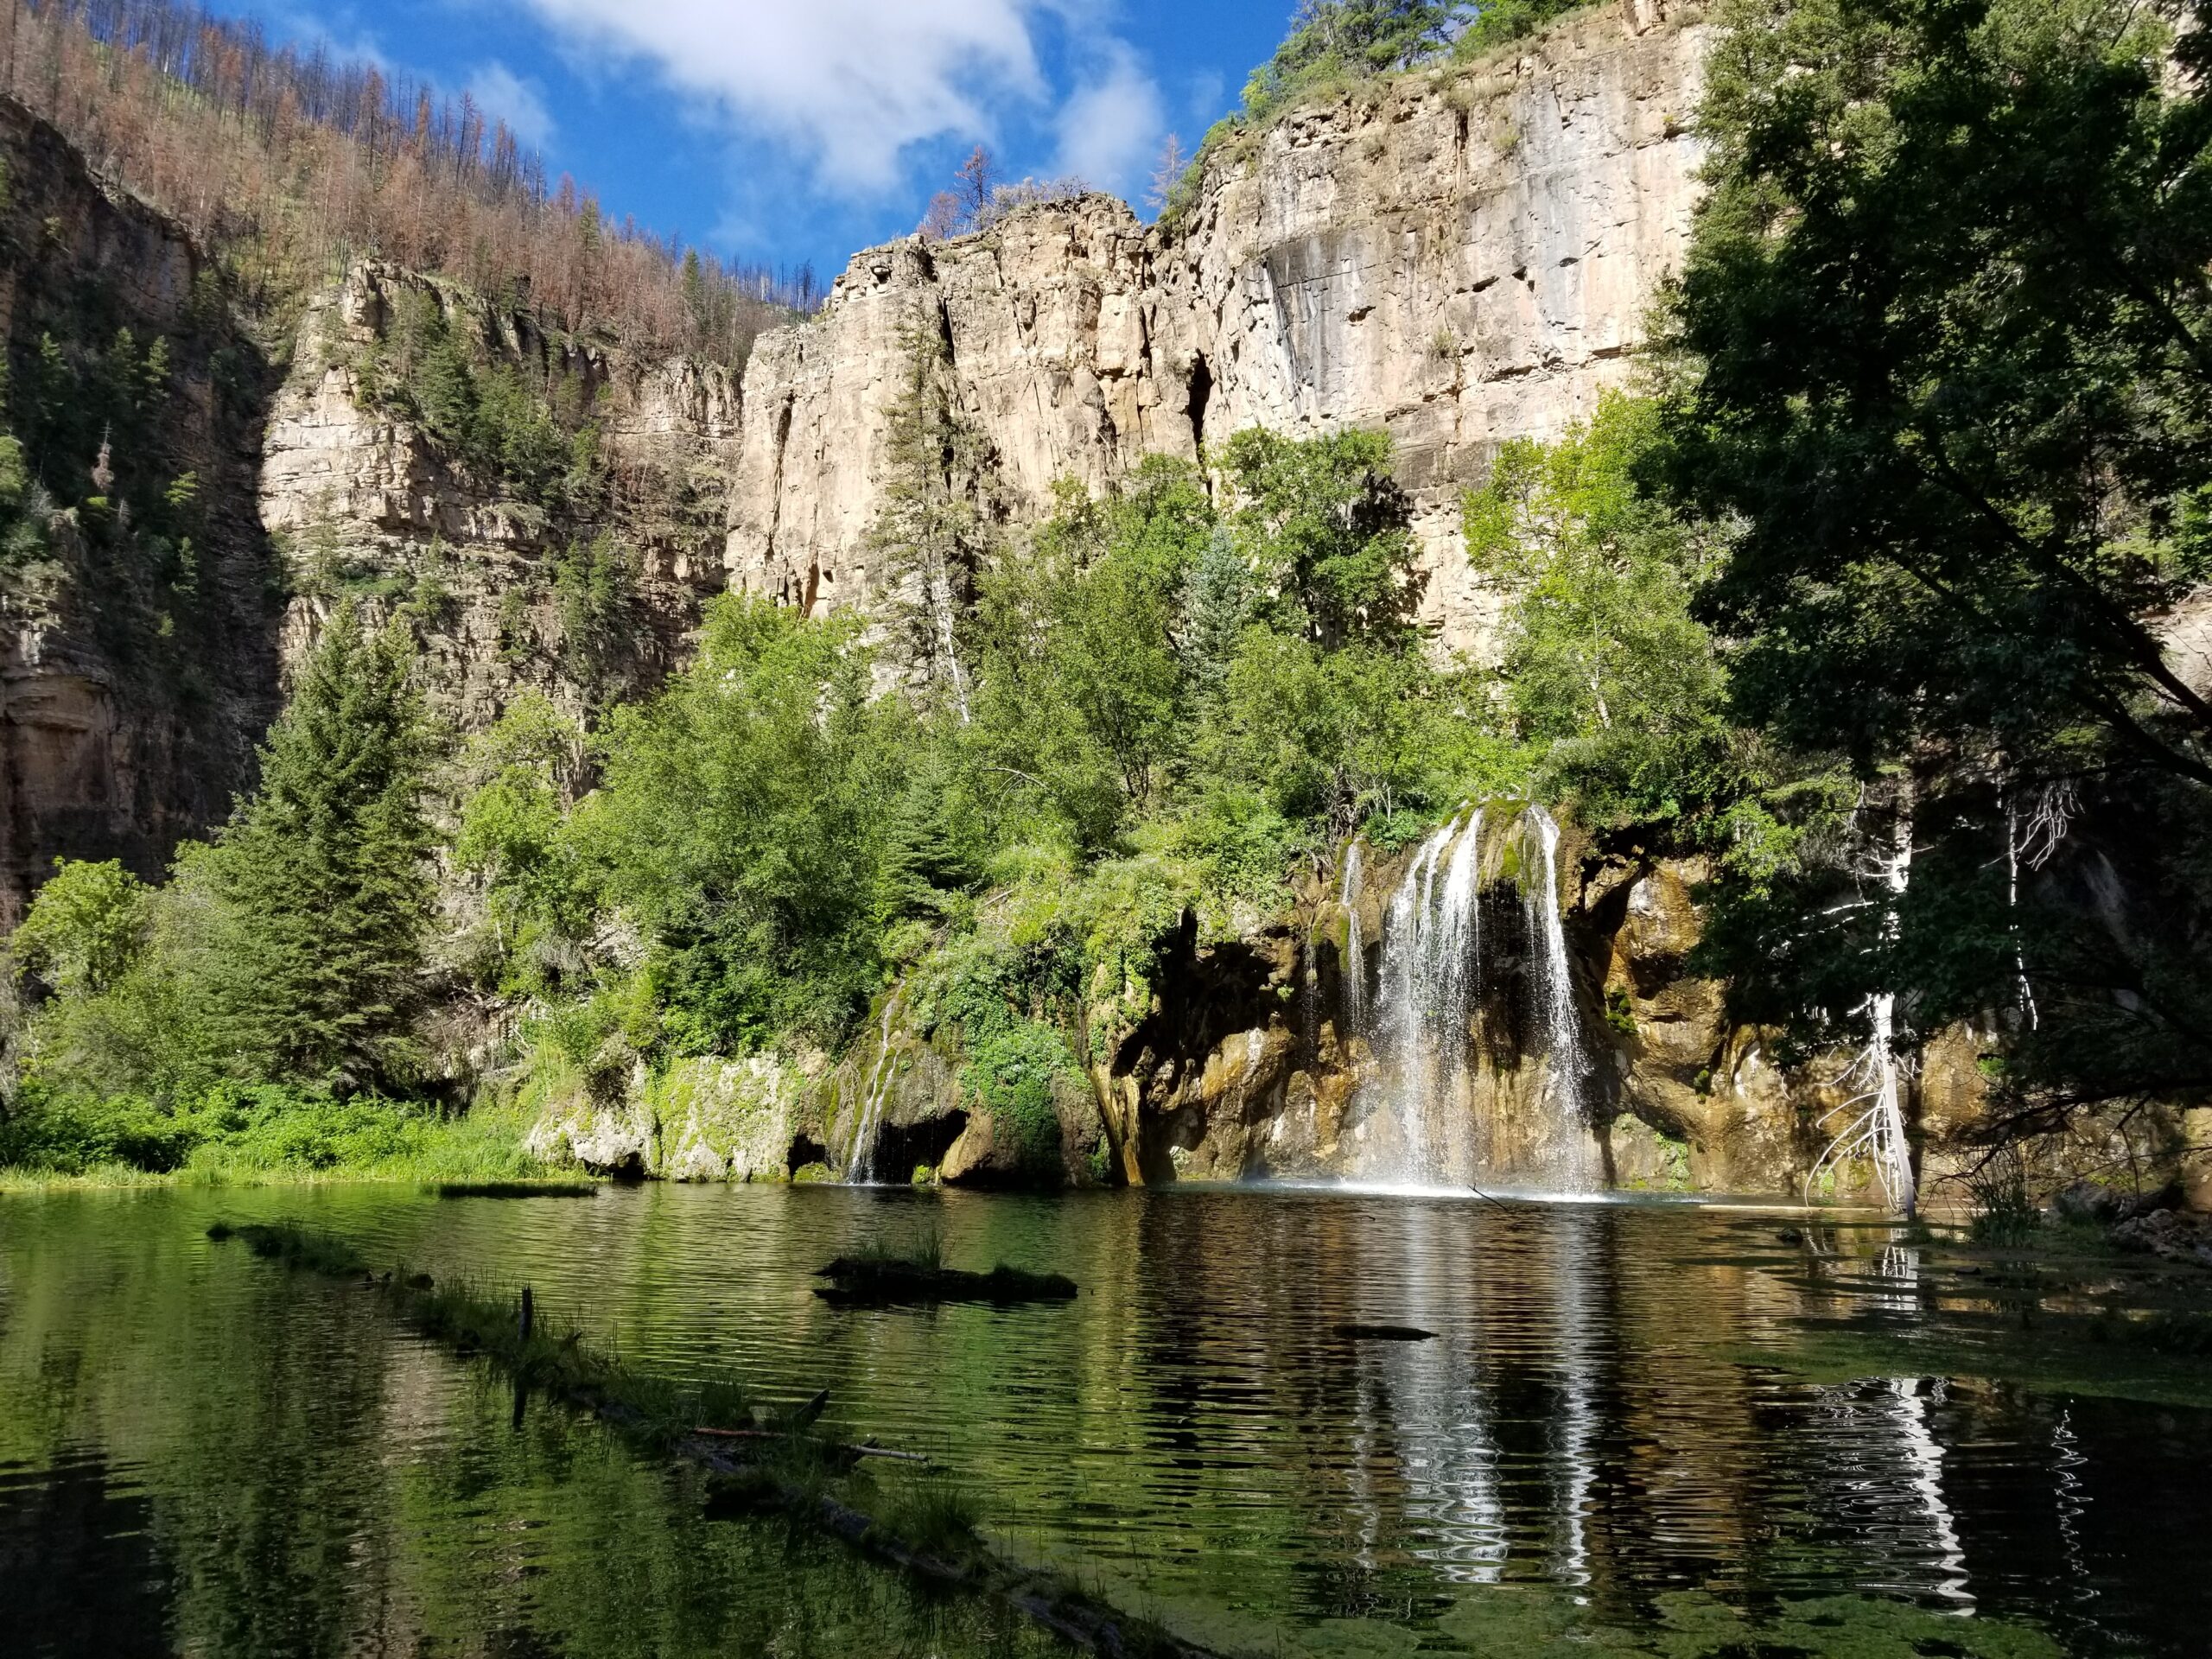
point(324, 874)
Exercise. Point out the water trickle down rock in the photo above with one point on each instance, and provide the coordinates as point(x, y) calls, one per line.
point(1355, 964)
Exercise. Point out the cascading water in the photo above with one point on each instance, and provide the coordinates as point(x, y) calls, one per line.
point(1442, 1101)
point(1568, 1062)
point(860, 1164)
point(1355, 964)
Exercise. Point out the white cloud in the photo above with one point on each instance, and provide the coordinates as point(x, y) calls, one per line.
point(852, 82)
point(504, 95)
point(1111, 125)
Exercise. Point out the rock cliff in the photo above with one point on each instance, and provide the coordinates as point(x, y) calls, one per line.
point(137, 666)
point(366, 504)
point(1460, 258)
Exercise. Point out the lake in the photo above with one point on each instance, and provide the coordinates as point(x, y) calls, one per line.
point(201, 1453)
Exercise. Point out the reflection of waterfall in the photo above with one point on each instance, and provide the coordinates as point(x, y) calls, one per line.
point(860, 1163)
point(1423, 1440)
point(1450, 1095)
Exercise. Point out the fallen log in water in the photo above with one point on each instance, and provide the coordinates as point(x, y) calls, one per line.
point(890, 1282)
point(793, 1473)
point(1384, 1333)
point(516, 1189)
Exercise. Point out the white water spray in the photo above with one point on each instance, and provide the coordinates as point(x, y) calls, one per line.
point(1569, 1065)
point(1445, 1114)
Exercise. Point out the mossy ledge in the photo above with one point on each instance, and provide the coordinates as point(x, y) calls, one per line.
point(784, 1466)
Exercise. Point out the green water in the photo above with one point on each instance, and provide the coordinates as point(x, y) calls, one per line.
point(1595, 1454)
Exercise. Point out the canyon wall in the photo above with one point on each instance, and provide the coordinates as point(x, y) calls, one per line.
point(137, 663)
point(366, 505)
point(1459, 257)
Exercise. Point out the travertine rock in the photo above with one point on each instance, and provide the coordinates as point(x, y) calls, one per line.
point(1460, 258)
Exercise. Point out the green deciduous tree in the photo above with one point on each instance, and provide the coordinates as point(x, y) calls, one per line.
point(743, 823)
point(1941, 343)
point(1328, 529)
point(1082, 690)
point(85, 928)
point(1605, 672)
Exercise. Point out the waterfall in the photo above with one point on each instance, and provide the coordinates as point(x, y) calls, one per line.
point(1438, 1103)
point(1425, 975)
point(860, 1163)
point(1355, 963)
point(1569, 1065)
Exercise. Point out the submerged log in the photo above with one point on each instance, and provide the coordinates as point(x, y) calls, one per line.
point(516, 1189)
point(871, 1281)
point(1384, 1333)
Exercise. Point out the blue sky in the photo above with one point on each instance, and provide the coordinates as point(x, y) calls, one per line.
point(804, 129)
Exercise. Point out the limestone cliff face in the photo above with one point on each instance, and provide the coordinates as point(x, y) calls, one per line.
point(137, 669)
point(366, 505)
point(1461, 259)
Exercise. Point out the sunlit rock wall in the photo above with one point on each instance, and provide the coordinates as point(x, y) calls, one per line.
point(1461, 258)
point(364, 505)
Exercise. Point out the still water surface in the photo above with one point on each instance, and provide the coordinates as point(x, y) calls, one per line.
point(201, 1453)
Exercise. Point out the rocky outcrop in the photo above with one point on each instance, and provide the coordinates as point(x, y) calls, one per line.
point(1460, 258)
point(136, 670)
point(367, 506)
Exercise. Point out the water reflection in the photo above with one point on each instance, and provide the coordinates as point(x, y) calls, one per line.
point(1196, 1426)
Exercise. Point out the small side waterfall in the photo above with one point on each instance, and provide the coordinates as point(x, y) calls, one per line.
point(1567, 1060)
point(1355, 966)
point(860, 1163)
point(1474, 1064)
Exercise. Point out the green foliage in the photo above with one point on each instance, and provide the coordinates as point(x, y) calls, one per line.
point(1081, 686)
point(1607, 675)
point(511, 837)
point(1327, 529)
point(595, 590)
point(1937, 359)
point(527, 431)
point(743, 823)
point(235, 1131)
point(1499, 21)
point(1334, 40)
point(1962, 435)
point(323, 877)
point(85, 928)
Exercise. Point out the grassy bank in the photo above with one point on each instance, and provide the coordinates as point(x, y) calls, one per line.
point(290, 1143)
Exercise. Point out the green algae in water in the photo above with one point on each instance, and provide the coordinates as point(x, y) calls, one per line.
point(1517, 1622)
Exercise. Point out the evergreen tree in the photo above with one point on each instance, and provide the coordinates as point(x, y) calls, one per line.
point(323, 877)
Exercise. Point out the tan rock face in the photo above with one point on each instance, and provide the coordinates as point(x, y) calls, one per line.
point(364, 505)
point(1460, 259)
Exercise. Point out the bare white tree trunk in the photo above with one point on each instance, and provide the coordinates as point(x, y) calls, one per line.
point(1874, 1128)
point(940, 602)
point(2012, 901)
